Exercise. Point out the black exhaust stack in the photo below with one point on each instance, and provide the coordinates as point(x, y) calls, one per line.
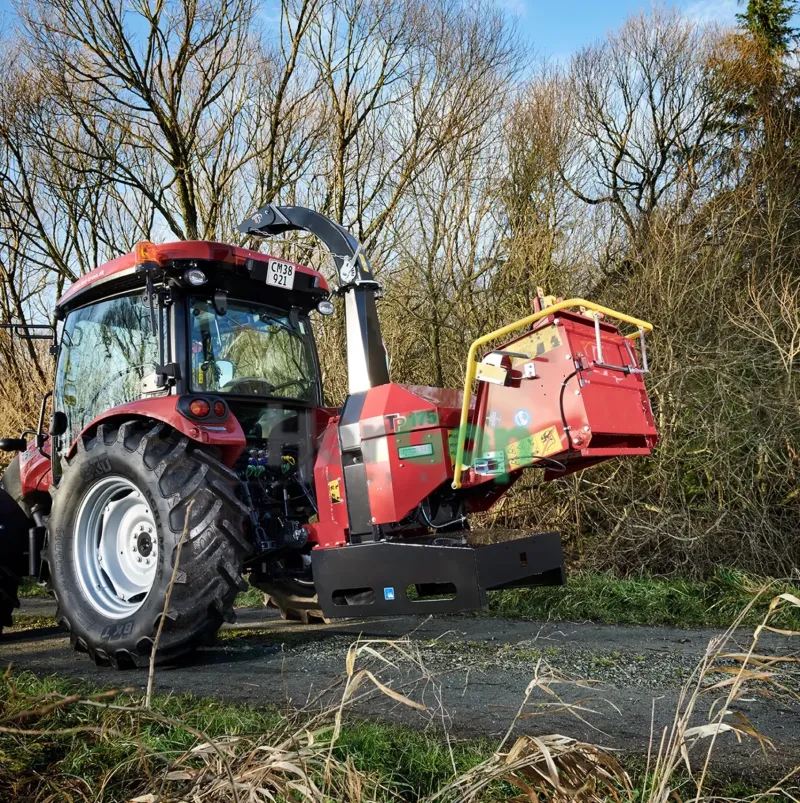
point(366, 355)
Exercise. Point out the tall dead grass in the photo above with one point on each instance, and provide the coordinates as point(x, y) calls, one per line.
point(21, 388)
point(301, 759)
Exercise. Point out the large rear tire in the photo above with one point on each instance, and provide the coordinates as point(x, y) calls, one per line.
point(118, 516)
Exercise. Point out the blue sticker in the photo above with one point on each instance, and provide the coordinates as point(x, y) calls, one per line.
point(522, 418)
point(388, 593)
point(493, 418)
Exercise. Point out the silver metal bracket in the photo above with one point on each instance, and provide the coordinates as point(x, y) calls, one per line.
point(626, 369)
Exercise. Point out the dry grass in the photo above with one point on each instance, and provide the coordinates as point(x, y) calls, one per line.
point(299, 756)
point(729, 674)
point(21, 389)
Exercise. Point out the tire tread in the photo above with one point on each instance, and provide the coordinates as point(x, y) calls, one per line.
point(211, 576)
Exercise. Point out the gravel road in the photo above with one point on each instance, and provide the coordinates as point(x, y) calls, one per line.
point(476, 673)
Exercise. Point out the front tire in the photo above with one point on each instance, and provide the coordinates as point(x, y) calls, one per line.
point(119, 513)
point(296, 601)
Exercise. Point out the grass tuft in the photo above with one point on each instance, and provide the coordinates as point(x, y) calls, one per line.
point(252, 598)
point(30, 588)
point(644, 600)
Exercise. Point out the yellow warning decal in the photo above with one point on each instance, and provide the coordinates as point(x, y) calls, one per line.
point(537, 343)
point(541, 444)
point(335, 490)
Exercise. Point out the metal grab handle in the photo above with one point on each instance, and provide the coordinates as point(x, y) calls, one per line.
point(642, 326)
point(626, 369)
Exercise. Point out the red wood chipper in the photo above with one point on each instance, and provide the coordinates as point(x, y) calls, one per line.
point(190, 445)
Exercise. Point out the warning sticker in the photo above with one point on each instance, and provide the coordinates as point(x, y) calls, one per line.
point(335, 490)
point(538, 343)
point(540, 444)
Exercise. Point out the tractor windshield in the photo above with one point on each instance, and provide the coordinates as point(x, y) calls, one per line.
point(250, 350)
point(106, 350)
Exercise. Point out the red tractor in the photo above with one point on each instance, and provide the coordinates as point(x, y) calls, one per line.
point(190, 444)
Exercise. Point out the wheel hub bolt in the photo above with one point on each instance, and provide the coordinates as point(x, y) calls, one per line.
point(144, 544)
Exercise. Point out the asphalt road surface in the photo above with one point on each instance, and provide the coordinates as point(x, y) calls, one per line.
point(471, 673)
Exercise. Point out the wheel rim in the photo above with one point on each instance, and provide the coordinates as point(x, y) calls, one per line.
point(116, 547)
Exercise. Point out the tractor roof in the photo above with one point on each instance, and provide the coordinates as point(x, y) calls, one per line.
point(229, 267)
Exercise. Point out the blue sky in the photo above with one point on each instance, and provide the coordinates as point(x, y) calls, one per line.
point(558, 28)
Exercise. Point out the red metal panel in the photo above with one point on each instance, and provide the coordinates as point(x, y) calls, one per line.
point(607, 411)
point(398, 484)
point(614, 403)
point(395, 418)
point(226, 435)
point(191, 249)
point(333, 525)
point(510, 414)
point(34, 470)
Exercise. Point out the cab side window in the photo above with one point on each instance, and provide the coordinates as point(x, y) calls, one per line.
point(106, 350)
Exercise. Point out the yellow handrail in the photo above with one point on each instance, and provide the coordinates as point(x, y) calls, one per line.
point(505, 330)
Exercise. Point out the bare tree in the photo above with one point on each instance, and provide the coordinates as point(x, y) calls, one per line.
point(643, 115)
point(158, 89)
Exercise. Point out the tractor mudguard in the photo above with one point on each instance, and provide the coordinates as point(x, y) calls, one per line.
point(226, 435)
point(387, 578)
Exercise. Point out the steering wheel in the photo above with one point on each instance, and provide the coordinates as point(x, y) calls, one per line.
point(232, 384)
point(302, 383)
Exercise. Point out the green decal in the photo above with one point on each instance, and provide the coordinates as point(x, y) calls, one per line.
point(421, 450)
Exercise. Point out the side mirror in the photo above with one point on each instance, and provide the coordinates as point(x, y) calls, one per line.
point(220, 302)
point(225, 368)
point(13, 444)
point(58, 424)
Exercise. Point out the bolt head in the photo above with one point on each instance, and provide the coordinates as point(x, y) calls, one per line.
point(138, 560)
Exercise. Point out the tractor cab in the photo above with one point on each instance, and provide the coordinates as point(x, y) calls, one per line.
point(224, 329)
point(212, 340)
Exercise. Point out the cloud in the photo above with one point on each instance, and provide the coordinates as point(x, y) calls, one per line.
point(722, 12)
point(516, 8)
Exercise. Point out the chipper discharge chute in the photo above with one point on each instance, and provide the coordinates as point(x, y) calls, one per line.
point(188, 404)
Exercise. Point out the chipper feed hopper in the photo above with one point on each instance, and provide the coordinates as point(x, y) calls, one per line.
point(190, 445)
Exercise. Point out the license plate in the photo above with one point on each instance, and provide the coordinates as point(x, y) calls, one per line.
point(280, 274)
